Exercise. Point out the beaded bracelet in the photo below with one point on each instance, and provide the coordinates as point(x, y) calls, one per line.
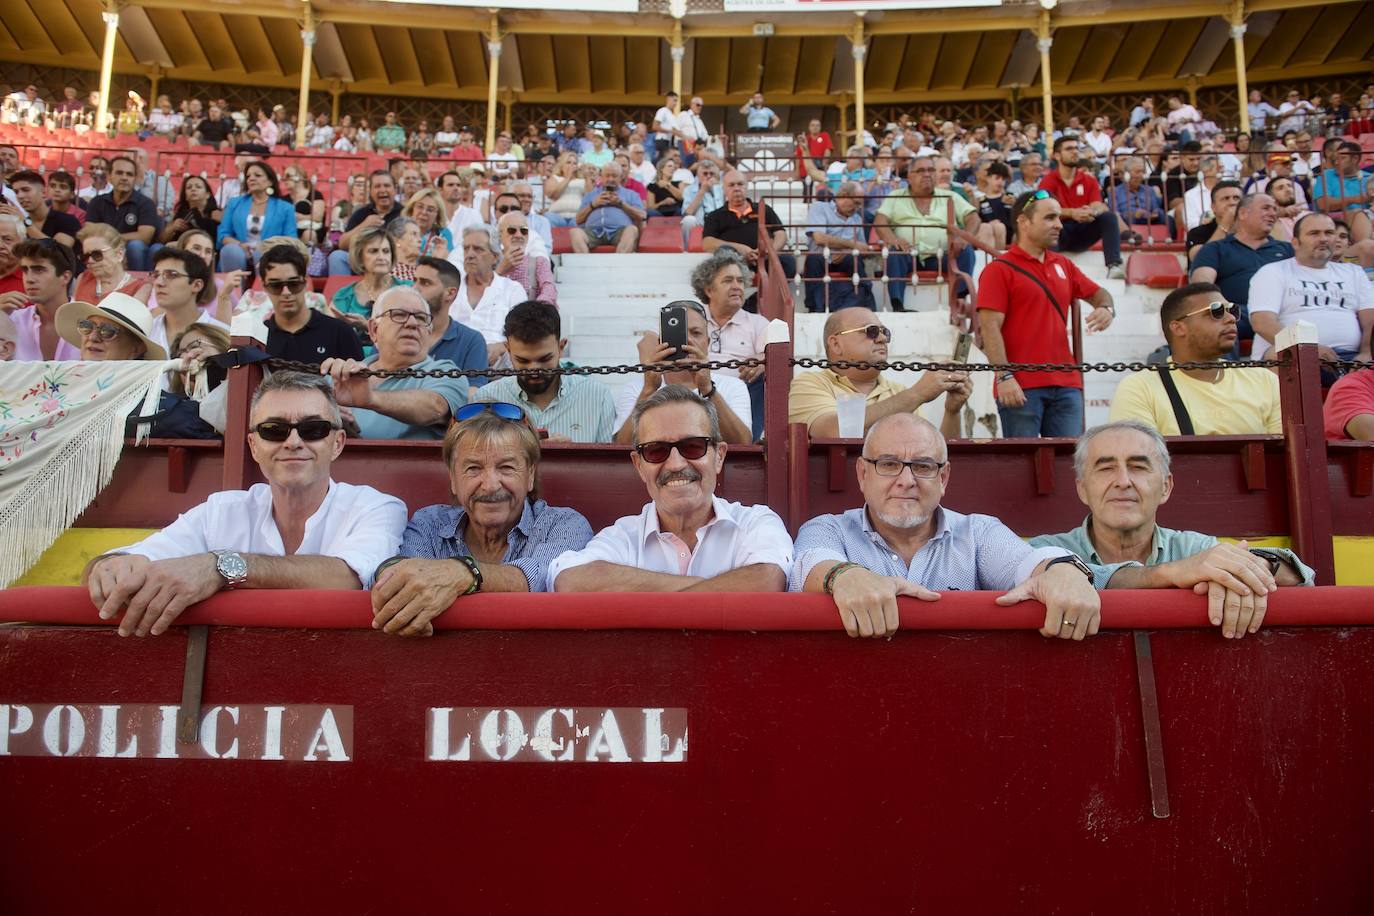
point(828, 586)
point(476, 571)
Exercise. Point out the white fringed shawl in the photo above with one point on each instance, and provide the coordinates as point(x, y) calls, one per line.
point(61, 433)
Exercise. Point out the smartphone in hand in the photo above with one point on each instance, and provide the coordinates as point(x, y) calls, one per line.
point(672, 328)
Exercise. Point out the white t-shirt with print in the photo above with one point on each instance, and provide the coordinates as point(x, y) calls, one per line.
point(1330, 299)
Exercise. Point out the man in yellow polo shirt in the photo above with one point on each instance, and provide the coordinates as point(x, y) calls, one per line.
point(1200, 326)
point(858, 334)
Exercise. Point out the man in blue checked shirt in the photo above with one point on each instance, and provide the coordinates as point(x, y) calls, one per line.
point(903, 542)
point(611, 215)
point(1123, 476)
point(498, 537)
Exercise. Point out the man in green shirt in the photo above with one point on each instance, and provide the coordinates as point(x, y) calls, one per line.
point(913, 225)
point(1122, 470)
point(390, 137)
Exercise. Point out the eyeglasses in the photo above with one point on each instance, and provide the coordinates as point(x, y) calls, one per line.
point(103, 331)
point(94, 256)
point(280, 430)
point(690, 448)
point(1216, 309)
point(503, 409)
point(167, 274)
point(401, 316)
point(714, 346)
point(871, 331)
point(921, 468)
point(293, 284)
point(507, 209)
point(517, 230)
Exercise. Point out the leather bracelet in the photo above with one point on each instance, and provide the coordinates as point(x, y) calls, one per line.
point(476, 571)
point(1006, 376)
point(828, 585)
point(710, 394)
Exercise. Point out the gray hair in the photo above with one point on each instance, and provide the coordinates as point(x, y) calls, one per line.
point(1080, 450)
point(299, 381)
point(398, 226)
point(674, 394)
point(391, 292)
point(491, 238)
point(704, 274)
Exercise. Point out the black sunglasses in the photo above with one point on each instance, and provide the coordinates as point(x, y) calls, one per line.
point(503, 409)
point(690, 448)
point(871, 331)
point(1216, 310)
point(280, 430)
point(295, 285)
point(507, 209)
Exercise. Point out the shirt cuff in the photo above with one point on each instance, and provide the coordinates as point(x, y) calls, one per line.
point(807, 561)
point(1103, 574)
point(1037, 556)
point(536, 573)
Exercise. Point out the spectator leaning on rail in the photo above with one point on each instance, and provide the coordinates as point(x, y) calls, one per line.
point(1025, 300)
point(858, 335)
point(1085, 218)
point(903, 542)
point(497, 536)
point(298, 530)
point(398, 407)
point(128, 212)
point(913, 223)
point(567, 408)
point(1200, 326)
point(1335, 297)
point(294, 330)
point(837, 224)
point(686, 539)
point(437, 281)
point(1122, 472)
point(1231, 262)
point(728, 396)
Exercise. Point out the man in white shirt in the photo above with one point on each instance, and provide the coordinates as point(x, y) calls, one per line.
point(485, 296)
point(665, 126)
point(1334, 296)
point(728, 396)
point(178, 278)
point(162, 120)
point(1098, 140)
point(691, 131)
point(686, 538)
point(99, 170)
point(298, 530)
point(641, 169)
point(1295, 110)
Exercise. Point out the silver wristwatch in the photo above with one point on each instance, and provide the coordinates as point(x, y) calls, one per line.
point(232, 567)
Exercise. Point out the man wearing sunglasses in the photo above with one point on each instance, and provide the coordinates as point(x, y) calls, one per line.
point(398, 408)
point(299, 530)
point(1122, 474)
point(497, 536)
point(1200, 326)
point(686, 538)
point(1024, 303)
point(903, 542)
point(856, 334)
point(295, 331)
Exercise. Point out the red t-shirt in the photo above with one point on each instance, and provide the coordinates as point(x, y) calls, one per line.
point(12, 282)
point(1347, 399)
point(1033, 330)
point(819, 146)
point(1079, 192)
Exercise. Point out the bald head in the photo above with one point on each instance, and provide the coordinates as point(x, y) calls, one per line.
point(9, 337)
point(898, 433)
point(843, 320)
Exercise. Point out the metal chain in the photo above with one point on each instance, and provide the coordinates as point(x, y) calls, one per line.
point(809, 363)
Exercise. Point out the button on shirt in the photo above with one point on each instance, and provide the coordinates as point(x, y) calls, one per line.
point(1168, 545)
point(583, 410)
point(824, 217)
point(968, 552)
point(736, 536)
point(358, 525)
point(924, 232)
point(543, 532)
point(743, 336)
point(610, 220)
point(374, 425)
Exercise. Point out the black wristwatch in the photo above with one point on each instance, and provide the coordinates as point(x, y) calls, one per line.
point(1076, 563)
point(1275, 559)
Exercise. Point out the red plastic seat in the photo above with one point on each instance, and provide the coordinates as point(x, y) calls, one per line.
point(562, 240)
point(1157, 270)
point(694, 240)
point(660, 238)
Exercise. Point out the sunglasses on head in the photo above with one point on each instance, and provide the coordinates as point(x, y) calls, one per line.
point(871, 331)
point(691, 449)
point(309, 430)
point(503, 409)
point(1040, 194)
point(294, 284)
point(1216, 310)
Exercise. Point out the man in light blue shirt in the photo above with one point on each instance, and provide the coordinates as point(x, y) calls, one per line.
point(902, 542)
point(398, 408)
point(1123, 476)
point(570, 408)
point(704, 193)
point(837, 225)
point(610, 215)
point(758, 117)
point(1260, 112)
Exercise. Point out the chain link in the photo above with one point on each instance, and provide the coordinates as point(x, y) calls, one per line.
point(810, 363)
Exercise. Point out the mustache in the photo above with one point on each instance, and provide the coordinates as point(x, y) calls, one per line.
point(499, 496)
point(668, 477)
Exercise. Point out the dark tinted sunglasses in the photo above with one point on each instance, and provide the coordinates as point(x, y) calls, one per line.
point(871, 331)
point(1216, 310)
point(508, 209)
point(280, 430)
point(295, 285)
point(690, 448)
point(503, 409)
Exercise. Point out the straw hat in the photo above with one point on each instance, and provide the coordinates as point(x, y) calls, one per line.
point(126, 311)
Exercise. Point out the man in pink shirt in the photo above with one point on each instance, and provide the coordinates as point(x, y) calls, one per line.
point(47, 268)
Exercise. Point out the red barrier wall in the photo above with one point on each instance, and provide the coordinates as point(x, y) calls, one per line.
point(939, 772)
